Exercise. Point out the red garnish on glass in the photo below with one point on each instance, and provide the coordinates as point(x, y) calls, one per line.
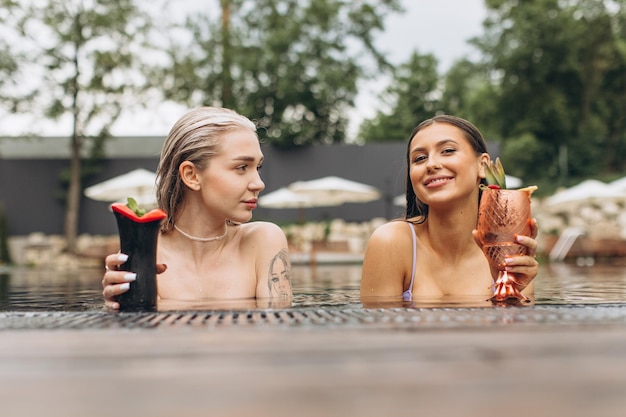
point(124, 210)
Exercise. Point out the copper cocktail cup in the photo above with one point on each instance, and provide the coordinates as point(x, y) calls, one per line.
point(502, 215)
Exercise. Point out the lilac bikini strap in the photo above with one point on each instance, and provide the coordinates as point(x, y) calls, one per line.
point(408, 294)
point(414, 260)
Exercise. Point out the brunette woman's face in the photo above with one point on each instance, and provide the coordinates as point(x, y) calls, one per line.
point(443, 166)
point(231, 182)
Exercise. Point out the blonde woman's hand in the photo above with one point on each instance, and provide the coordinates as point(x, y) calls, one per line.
point(116, 281)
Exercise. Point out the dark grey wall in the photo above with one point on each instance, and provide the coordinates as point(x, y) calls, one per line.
point(29, 188)
point(376, 164)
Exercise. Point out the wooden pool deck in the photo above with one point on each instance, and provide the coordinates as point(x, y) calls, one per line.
point(514, 361)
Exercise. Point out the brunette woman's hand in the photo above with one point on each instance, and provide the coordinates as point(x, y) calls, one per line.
point(116, 281)
point(523, 268)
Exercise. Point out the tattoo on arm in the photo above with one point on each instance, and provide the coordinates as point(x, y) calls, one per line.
point(279, 277)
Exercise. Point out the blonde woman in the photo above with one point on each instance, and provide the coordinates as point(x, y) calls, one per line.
point(208, 184)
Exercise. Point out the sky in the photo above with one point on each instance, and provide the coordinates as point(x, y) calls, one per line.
point(440, 27)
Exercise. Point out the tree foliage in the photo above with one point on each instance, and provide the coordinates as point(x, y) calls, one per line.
point(292, 65)
point(78, 62)
point(560, 68)
point(551, 82)
point(412, 96)
point(417, 92)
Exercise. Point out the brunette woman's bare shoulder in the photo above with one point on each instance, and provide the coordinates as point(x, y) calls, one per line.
point(386, 260)
point(392, 234)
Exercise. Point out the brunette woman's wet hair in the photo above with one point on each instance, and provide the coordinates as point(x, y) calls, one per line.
point(195, 137)
point(416, 210)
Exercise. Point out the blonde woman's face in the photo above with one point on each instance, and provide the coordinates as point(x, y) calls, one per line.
point(230, 184)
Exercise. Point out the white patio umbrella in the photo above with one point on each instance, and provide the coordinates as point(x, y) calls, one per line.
point(285, 198)
point(513, 182)
point(139, 184)
point(399, 200)
point(586, 192)
point(619, 184)
point(335, 191)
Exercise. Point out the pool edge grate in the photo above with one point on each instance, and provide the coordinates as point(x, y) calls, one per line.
point(344, 317)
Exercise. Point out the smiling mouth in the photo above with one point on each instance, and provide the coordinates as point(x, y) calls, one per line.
point(437, 181)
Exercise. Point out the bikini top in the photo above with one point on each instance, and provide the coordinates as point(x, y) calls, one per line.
point(408, 294)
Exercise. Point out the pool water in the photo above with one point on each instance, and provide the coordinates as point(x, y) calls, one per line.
point(319, 286)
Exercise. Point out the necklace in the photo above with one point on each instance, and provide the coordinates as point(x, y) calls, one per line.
point(201, 239)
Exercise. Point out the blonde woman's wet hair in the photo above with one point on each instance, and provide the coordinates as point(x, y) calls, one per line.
point(195, 137)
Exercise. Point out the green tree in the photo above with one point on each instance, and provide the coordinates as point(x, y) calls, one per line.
point(469, 93)
point(292, 65)
point(413, 95)
point(8, 68)
point(558, 67)
point(5, 254)
point(79, 63)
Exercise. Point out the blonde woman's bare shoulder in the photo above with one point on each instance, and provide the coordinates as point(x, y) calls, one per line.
point(264, 241)
point(262, 230)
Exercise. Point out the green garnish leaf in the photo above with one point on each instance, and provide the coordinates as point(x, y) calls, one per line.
point(494, 173)
point(132, 204)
